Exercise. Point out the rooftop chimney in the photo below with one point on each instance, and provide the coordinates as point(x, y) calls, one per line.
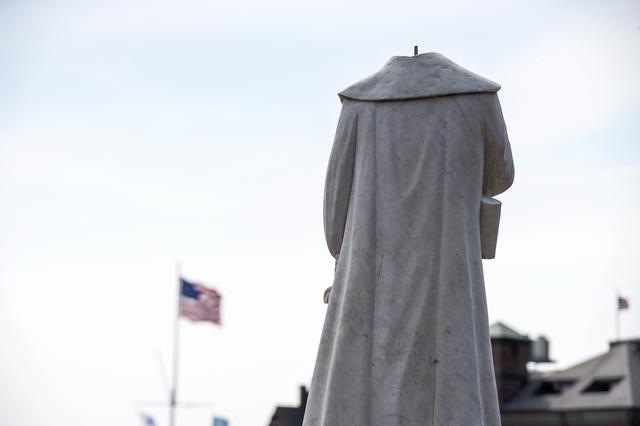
point(511, 352)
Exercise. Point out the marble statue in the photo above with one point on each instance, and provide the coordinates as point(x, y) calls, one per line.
point(420, 149)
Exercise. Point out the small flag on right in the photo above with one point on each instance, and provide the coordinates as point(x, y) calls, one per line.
point(623, 303)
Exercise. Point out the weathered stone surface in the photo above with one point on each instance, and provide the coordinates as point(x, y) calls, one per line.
point(415, 77)
point(489, 223)
point(406, 336)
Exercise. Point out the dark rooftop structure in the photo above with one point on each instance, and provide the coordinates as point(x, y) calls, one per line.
point(291, 416)
point(601, 391)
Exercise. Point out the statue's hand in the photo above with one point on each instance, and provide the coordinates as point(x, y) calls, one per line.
point(327, 293)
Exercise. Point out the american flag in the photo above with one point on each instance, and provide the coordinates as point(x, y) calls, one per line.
point(623, 303)
point(199, 303)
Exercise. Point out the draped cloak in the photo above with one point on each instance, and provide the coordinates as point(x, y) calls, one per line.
point(406, 338)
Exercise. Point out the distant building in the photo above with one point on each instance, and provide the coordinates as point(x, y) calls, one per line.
point(602, 391)
point(291, 416)
point(511, 352)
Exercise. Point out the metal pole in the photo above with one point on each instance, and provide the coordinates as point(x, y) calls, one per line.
point(176, 353)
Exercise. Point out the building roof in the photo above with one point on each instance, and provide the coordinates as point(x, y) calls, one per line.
point(291, 416)
point(610, 380)
point(288, 416)
point(500, 330)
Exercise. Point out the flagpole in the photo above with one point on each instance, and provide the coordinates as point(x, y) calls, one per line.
point(176, 353)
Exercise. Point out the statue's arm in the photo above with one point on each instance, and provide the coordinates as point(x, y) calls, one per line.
point(337, 188)
point(497, 177)
point(498, 161)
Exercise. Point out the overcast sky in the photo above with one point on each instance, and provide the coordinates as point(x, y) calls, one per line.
point(134, 134)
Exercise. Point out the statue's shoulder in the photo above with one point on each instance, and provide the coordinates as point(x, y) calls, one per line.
point(415, 77)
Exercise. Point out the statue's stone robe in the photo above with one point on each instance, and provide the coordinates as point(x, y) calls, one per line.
point(406, 337)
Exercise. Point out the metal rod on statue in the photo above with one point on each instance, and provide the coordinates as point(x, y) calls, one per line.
point(173, 397)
